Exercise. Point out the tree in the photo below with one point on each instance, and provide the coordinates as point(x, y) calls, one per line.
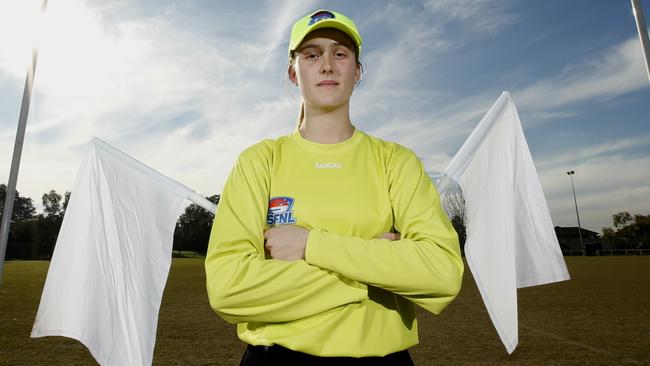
point(49, 223)
point(629, 232)
point(621, 219)
point(23, 209)
point(66, 200)
point(453, 203)
point(193, 228)
point(52, 203)
point(20, 243)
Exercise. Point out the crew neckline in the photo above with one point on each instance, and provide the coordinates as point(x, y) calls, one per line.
point(348, 143)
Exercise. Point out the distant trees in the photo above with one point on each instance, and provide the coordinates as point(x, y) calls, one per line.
point(23, 206)
point(629, 232)
point(22, 225)
point(193, 228)
point(49, 223)
point(52, 203)
point(66, 200)
point(33, 236)
point(453, 202)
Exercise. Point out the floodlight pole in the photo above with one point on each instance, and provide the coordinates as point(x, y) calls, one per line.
point(582, 247)
point(643, 33)
point(15, 161)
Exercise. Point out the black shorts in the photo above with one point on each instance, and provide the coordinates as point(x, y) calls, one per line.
point(278, 355)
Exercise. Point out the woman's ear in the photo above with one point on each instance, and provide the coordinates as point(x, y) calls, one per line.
point(359, 74)
point(291, 72)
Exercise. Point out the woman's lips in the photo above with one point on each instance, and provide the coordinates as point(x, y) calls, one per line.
point(327, 83)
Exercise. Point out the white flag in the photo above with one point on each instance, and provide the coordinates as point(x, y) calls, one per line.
point(112, 257)
point(510, 238)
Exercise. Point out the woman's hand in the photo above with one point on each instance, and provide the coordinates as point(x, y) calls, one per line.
point(286, 242)
point(390, 236)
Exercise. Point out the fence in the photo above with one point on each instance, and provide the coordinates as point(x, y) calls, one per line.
point(623, 252)
point(573, 252)
point(606, 252)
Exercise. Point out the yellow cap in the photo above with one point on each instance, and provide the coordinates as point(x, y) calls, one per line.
point(323, 19)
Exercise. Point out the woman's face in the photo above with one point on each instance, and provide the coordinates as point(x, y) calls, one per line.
point(326, 69)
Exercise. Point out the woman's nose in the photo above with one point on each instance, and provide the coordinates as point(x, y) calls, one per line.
point(326, 64)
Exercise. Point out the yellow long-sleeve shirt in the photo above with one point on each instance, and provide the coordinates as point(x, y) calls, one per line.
point(353, 294)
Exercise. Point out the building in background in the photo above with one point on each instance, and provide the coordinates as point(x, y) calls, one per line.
point(570, 242)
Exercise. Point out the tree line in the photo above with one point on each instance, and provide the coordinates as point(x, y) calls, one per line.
point(33, 235)
point(629, 232)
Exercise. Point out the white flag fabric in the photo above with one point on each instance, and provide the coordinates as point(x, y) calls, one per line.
point(510, 238)
point(112, 257)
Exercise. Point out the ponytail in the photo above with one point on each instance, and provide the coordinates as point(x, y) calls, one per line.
point(301, 114)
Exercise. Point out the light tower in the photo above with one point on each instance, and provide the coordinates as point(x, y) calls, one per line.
point(582, 247)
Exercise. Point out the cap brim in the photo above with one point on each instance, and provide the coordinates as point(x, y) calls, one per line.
point(331, 23)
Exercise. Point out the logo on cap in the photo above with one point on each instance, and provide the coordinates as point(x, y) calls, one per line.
point(280, 211)
point(321, 15)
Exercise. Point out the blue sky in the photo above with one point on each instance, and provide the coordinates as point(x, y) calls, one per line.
point(186, 86)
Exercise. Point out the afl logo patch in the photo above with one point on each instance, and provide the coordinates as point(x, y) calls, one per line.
point(320, 15)
point(280, 211)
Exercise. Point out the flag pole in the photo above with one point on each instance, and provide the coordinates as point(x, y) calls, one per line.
point(18, 149)
point(643, 33)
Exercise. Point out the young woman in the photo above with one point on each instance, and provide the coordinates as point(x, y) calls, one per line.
point(325, 238)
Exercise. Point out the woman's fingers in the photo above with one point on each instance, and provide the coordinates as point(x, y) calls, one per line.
point(286, 242)
point(390, 236)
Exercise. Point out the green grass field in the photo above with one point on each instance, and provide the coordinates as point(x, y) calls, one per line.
point(600, 317)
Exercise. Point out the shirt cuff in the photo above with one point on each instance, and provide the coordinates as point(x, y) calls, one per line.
point(312, 248)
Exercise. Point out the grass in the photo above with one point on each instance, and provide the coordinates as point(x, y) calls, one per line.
point(600, 317)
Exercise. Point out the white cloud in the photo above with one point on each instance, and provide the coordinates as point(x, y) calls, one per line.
point(479, 16)
point(582, 154)
point(620, 70)
point(604, 186)
point(184, 102)
point(424, 117)
point(609, 179)
point(19, 31)
point(395, 64)
point(281, 23)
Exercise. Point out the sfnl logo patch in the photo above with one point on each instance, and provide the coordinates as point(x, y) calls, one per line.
point(280, 211)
